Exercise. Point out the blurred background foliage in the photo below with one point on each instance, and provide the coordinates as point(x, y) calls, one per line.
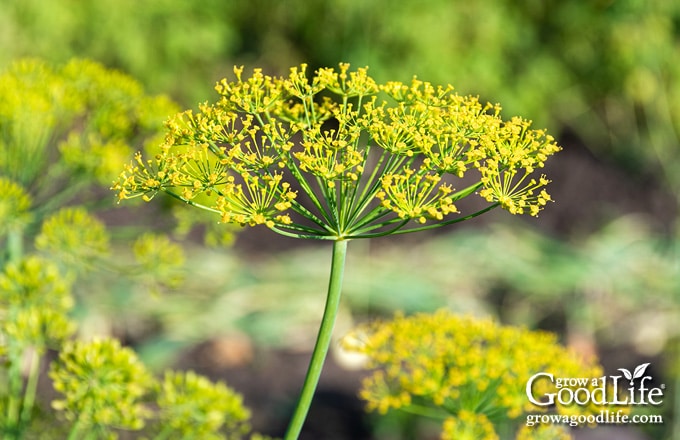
point(605, 70)
point(600, 266)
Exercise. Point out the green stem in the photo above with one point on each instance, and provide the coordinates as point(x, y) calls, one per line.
point(31, 387)
point(15, 245)
point(323, 341)
point(14, 399)
point(75, 430)
point(165, 433)
point(424, 411)
point(675, 429)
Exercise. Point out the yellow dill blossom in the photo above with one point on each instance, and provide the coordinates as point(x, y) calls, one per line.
point(78, 115)
point(371, 159)
point(34, 303)
point(101, 385)
point(37, 282)
point(254, 202)
point(37, 327)
point(453, 365)
point(15, 205)
point(74, 236)
point(159, 261)
point(543, 432)
point(191, 406)
point(467, 425)
point(416, 195)
point(347, 83)
point(513, 153)
point(257, 94)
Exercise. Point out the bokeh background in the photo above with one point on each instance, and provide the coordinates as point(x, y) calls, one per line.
point(599, 266)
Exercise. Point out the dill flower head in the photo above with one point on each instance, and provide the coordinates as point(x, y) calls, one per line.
point(74, 237)
point(191, 406)
point(467, 425)
point(35, 300)
point(339, 156)
point(15, 205)
point(472, 372)
point(101, 385)
point(159, 261)
point(79, 119)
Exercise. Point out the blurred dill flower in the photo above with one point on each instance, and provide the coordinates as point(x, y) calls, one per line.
point(15, 205)
point(191, 406)
point(74, 237)
point(368, 163)
point(472, 369)
point(101, 386)
point(214, 233)
point(467, 425)
point(543, 432)
point(104, 388)
point(77, 119)
point(36, 327)
point(159, 261)
point(37, 282)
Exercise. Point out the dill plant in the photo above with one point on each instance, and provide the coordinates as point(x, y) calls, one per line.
point(339, 157)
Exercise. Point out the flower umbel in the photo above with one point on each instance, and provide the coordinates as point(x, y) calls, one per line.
point(381, 158)
point(102, 385)
point(193, 407)
point(469, 371)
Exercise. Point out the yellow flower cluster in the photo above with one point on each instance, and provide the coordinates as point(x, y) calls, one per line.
point(469, 370)
point(194, 407)
point(74, 237)
point(543, 432)
point(102, 384)
point(417, 196)
point(159, 261)
point(15, 205)
point(78, 115)
point(34, 303)
point(104, 388)
point(370, 158)
point(467, 425)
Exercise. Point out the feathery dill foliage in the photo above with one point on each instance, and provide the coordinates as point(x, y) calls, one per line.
point(469, 372)
point(371, 159)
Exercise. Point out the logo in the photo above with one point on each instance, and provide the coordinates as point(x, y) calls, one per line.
point(632, 388)
point(605, 390)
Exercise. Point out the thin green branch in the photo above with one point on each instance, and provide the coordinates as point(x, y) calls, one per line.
point(448, 222)
point(321, 236)
point(190, 202)
point(424, 411)
point(307, 189)
point(375, 214)
point(466, 191)
point(361, 233)
point(330, 196)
